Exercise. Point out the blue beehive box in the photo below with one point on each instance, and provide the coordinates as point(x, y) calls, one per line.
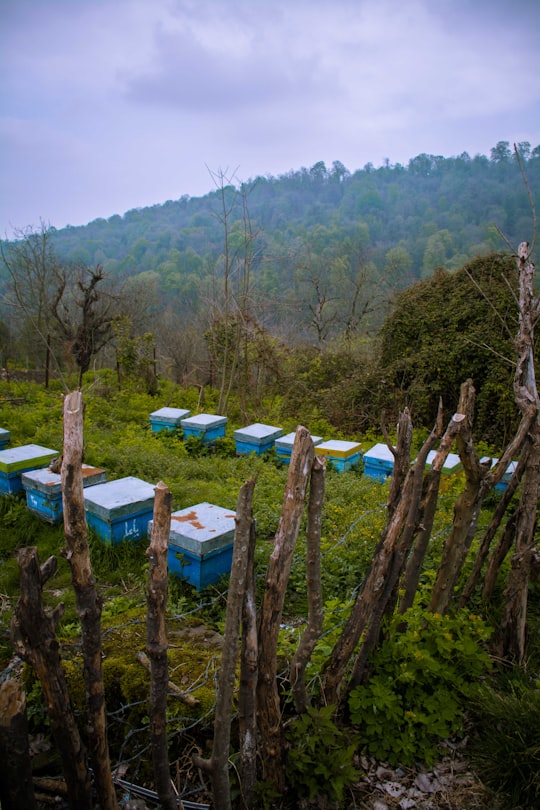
point(44, 490)
point(507, 475)
point(379, 462)
point(168, 419)
point(342, 454)
point(201, 543)
point(256, 438)
point(120, 510)
point(205, 426)
point(5, 437)
point(284, 446)
point(15, 461)
point(452, 463)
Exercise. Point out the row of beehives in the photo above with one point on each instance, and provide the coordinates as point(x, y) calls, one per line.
point(201, 536)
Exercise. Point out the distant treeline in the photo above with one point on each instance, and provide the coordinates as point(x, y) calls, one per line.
point(394, 224)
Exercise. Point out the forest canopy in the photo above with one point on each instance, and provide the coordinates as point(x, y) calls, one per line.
point(283, 284)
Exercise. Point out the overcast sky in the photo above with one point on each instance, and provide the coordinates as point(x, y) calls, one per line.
point(108, 105)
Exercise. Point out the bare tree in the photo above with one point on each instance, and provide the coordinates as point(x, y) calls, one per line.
point(84, 312)
point(33, 270)
point(228, 335)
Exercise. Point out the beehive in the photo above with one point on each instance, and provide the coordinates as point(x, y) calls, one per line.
point(5, 437)
point(201, 543)
point(14, 461)
point(379, 462)
point(452, 463)
point(284, 446)
point(343, 455)
point(168, 419)
point(44, 490)
point(205, 426)
point(256, 438)
point(120, 510)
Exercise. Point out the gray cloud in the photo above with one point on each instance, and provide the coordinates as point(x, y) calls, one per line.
point(111, 104)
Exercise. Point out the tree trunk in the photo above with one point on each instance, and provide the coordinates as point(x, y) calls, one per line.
point(496, 560)
point(377, 586)
point(87, 598)
point(218, 765)
point(498, 555)
point(479, 481)
point(428, 508)
point(402, 458)
point(247, 694)
point(313, 584)
point(157, 646)
point(279, 566)
point(381, 600)
point(511, 636)
point(16, 789)
point(34, 640)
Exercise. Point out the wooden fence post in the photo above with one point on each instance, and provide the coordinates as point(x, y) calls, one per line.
point(34, 639)
point(157, 645)
point(87, 598)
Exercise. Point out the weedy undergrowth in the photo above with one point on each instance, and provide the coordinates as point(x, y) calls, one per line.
point(422, 674)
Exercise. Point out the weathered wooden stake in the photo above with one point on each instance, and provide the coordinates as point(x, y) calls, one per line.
point(247, 692)
point(157, 645)
point(277, 577)
point(87, 598)
point(33, 631)
point(510, 640)
point(218, 764)
point(314, 626)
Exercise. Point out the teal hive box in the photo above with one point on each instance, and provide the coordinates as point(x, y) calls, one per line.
point(507, 475)
point(201, 543)
point(343, 455)
point(452, 463)
point(378, 462)
point(256, 438)
point(205, 426)
point(44, 490)
point(120, 510)
point(284, 446)
point(168, 419)
point(5, 437)
point(15, 461)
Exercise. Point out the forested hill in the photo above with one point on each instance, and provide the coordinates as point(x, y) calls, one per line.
point(435, 207)
point(320, 226)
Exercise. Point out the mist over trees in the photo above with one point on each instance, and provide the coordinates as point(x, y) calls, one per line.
point(290, 279)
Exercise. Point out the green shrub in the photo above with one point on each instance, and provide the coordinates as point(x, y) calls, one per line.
point(320, 757)
point(421, 677)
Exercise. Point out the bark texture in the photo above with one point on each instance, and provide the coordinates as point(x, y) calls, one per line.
point(87, 598)
point(218, 764)
point(34, 640)
point(247, 693)
point(16, 788)
point(157, 645)
point(314, 587)
point(277, 576)
point(511, 638)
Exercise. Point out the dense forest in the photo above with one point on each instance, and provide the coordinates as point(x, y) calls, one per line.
point(284, 284)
